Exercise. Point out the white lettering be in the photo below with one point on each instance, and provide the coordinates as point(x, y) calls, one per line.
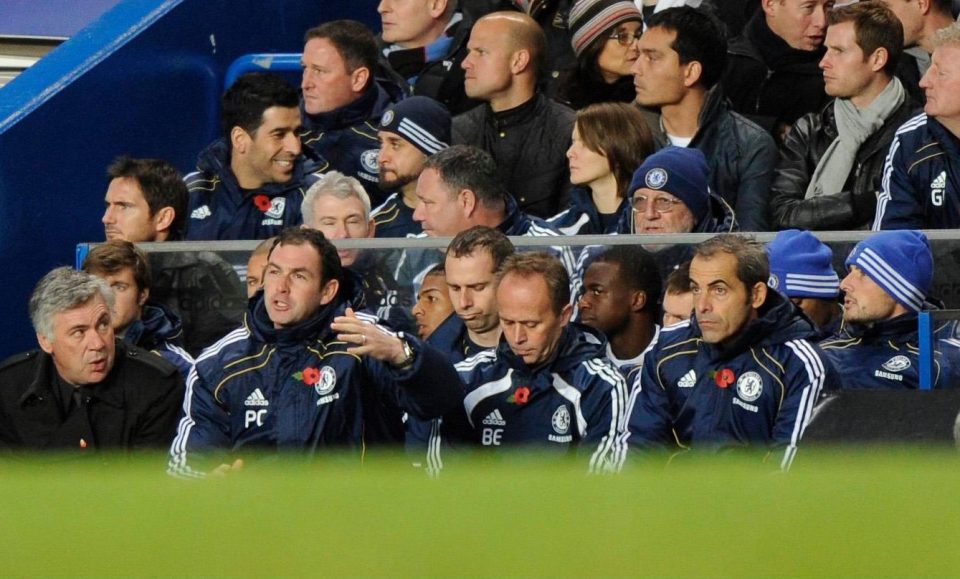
point(492, 436)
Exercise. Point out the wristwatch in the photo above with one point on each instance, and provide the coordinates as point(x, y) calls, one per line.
point(409, 355)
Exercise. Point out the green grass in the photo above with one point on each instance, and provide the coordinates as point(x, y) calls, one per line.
point(869, 514)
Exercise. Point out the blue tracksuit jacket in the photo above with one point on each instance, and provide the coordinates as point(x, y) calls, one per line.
point(220, 209)
point(160, 331)
point(776, 375)
point(299, 389)
point(395, 219)
point(920, 188)
point(576, 400)
point(886, 355)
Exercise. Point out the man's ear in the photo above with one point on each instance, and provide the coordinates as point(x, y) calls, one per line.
point(45, 344)
point(758, 295)
point(467, 200)
point(924, 6)
point(437, 8)
point(770, 6)
point(239, 139)
point(519, 61)
point(359, 78)
point(565, 314)
point(692, 71)
point(372, 230)
point(879, 59)
point(163, 219)
point(639, 301)
point(329, 291)
point(143, 297)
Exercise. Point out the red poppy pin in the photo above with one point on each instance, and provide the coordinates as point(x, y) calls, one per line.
point(724, 377)
point(262, 202)
point(308, 376)
point(520, 396)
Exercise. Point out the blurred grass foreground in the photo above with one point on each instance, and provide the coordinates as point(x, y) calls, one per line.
point(869, 513)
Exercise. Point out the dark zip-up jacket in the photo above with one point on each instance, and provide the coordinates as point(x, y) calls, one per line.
point(220, 209)
point(298, 389)
point(758, 390)
point(159, 330)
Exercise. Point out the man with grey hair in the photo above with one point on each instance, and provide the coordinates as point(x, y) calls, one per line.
point(84, 390)
point(919, 188)
point(338, 206)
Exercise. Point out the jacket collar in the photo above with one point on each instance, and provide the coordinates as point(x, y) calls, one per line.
point(215, 159)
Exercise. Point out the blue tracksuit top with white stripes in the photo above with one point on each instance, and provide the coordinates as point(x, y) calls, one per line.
point(299, 389)
point(220, 209)
point(920, 188)
point(758, 389)
point(574, 402)
point(885, 355)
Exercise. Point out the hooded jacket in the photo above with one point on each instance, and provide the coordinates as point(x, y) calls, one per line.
point(298, 389)
point(757, 390)
point(573, 402)
point(346, 137)
point(159, 330)
point(220, 209)
point(886, 355)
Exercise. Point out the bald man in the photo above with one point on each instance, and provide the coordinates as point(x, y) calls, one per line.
point(526, 133)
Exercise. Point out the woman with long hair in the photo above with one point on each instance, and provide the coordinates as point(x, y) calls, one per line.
point(604, 37)
point(610, 140)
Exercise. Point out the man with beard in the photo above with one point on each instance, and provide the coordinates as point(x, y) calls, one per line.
point(410, 131)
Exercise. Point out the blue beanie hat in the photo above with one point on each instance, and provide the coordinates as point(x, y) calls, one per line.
point(422, 121)
point(679, 171)
point(801, 266)
point(898, 261)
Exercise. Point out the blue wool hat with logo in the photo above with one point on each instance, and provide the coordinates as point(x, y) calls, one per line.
point(898, 261)
point(422, 121)
point(801, 266)
point(679, 171)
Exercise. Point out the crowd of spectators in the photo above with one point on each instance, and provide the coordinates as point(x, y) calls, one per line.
point(483, 121)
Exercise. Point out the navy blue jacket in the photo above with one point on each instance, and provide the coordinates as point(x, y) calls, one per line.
point(220, 209)
point(346, 137)
point(299, 389)
point(886, 355)
point(394, 219)
point(574, 402)
point(582, 217)
point(777, 377)
point(159, 330)
point(921, 178)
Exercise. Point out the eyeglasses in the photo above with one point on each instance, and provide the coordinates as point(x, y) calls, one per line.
point(660, 204)
point(625, 38)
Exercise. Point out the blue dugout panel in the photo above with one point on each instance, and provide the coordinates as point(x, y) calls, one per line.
point(144, 80)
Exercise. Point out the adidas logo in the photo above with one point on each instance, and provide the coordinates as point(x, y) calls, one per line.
point(495, 419)
point(256, 399)
point(689, 380)
point(940, 182)
point(201, 213)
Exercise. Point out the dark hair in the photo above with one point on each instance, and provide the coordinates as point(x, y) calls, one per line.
point(481, 237)
point(638, 271)
point(116, 255)
point(753, 266)
point(944, 6)
point(330, 267)
point(876, 26)
point(355, 43)
point(619, 132)
point(467, 167)
point(245, 101)
point(526, 264)
point(678, 281)
point(161, 185)
point(700, 37)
